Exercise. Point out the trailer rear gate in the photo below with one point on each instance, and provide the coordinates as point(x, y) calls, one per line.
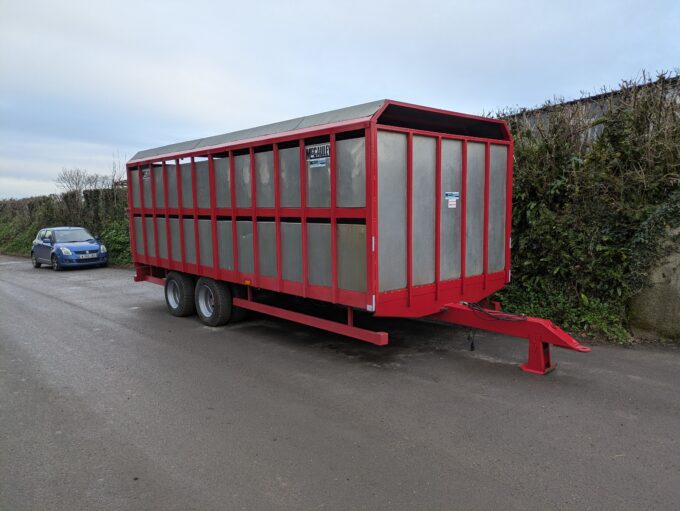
point(396, 209)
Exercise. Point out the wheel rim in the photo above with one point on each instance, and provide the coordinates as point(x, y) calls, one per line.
point(206, 301)
point(173, 294)
point(54, 262)
point(33, 259)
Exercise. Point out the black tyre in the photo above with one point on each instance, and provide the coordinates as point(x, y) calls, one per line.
point(35, 262)
point(104, 265)
point(213, 301)
point(237, 313)
point(179, 294)
point(55, 263)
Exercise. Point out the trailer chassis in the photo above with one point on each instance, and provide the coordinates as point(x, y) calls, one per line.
point(540, 333)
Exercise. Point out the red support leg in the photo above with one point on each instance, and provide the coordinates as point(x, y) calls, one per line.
point(539, 357)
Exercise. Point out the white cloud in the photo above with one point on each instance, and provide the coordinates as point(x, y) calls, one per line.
point(15, 188)
point(130, 75)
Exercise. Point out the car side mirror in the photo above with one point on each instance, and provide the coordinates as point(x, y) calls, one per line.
point(47, 240)
point(98, 238)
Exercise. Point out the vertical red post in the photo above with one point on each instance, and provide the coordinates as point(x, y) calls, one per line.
point(194, 212)
point(152, 177)
point(140, 177)
point(213, 215)
point(463, 215)
point(180, 208)
point(253, 205)
point(508, 211)
point(277, 217)
point(303, 209)
point(437, 216)
point(131, 215)
point(485, 247)
point(409, 217)
point(232, 200)
point(167, 213)
point(371, 205)
point(334, 241)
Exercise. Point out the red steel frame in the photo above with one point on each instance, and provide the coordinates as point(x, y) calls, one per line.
point(440, 300)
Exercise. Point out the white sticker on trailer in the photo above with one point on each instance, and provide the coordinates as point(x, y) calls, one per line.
point(317, 155)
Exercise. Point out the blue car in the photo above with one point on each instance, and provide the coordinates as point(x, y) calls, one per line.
point(64, 247)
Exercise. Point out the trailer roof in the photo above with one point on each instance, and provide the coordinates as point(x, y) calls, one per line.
point(350, 113)
point(391, 113)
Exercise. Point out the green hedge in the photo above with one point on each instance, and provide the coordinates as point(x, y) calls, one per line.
point(596, 186)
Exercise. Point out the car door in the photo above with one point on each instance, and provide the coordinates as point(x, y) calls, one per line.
point(45, 248)
point(38, 245)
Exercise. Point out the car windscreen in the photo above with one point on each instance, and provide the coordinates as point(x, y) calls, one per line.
point(72, 236)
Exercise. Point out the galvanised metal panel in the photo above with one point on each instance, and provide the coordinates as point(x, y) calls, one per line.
point(205, 241)
point(319, 254)
point(449, 244)
point(134, 186)
point(391, 210)
point(266, 238)
point(162, 238)
point(189, 240)
point(264, 169)
point(222, 182)
point(474, 210)
point(351, 173)
point(242, 172)
point(289, 177)
point(139, 235)
point(340, 115)
point(158, 185)
point(175, 241)
point(203, 183)
point(187, 189)
point(497, 197)
point(244, 232)
point(150, 237)
point(224, 244)
point(423, 204)
point(351, 242)
point(171, 173)
point(319, 184)
point(291, 251)
point(146, 183)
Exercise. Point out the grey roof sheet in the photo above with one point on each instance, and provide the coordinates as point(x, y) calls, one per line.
point(340, 115)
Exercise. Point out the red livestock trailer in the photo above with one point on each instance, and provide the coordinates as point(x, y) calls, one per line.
point(391, 208)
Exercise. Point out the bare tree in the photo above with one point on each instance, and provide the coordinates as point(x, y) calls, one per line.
point(73, 180)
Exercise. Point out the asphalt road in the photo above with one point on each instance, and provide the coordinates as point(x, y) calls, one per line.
point(108, 402)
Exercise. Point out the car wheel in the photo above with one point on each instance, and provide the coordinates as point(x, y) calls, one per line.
point(213, 301)
point(35, 262)
point(55, 263)
point(179, 294)
point(104, 264)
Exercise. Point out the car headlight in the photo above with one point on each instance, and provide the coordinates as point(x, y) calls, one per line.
point(102, 249)
point(66, 251)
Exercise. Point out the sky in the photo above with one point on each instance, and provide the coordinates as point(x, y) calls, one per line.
point(84, 84)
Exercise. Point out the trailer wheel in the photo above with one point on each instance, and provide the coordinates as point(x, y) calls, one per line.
point(179, 294)
point(213, 302)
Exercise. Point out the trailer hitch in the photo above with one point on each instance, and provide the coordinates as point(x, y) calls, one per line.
point(540, 333)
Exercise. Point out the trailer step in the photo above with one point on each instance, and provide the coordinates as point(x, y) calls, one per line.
point(540, 333)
